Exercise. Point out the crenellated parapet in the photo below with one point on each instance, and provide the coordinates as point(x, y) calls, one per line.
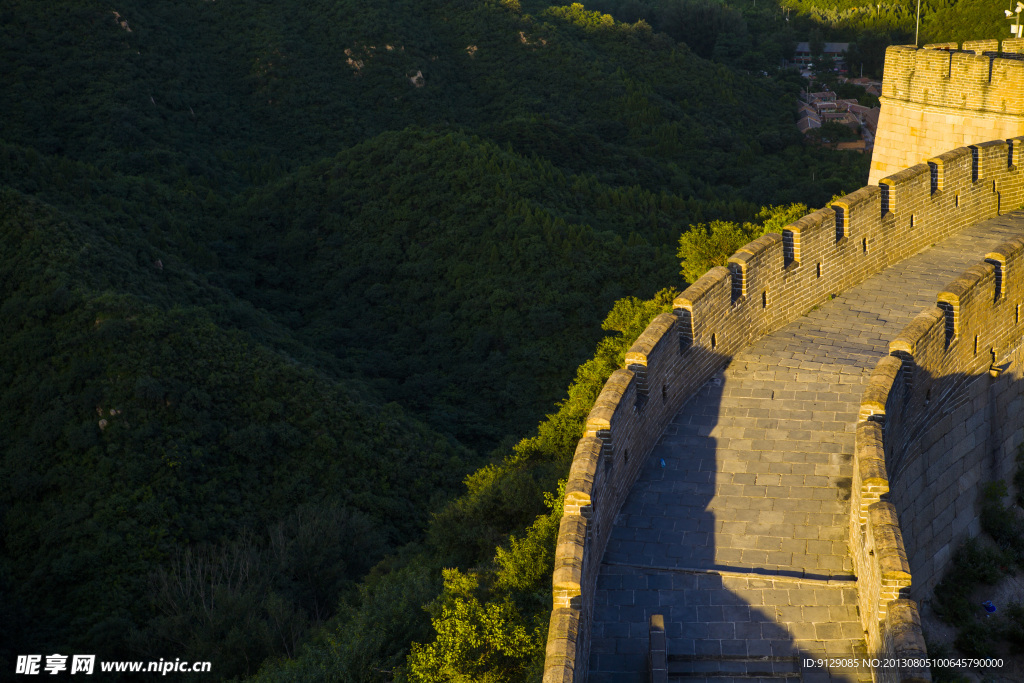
point(769, 283)
point(920, 398)
point(977, 78)
point(941, 97)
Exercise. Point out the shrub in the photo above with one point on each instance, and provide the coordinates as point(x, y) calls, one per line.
point(1001, 522)
point(972, 566)
point(707, 245)
point(976, 639)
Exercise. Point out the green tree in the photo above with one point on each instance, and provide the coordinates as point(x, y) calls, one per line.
point(707, 245)
point(477, 642)
point(816, 44)
point(775, 218)
point(831, 131)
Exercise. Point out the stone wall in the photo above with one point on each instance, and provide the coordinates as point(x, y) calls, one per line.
point(970, 439)
point(940, 416)
point(769, 283)
point(938, 98)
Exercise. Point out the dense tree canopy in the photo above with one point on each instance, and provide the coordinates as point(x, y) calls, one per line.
point(284, 286)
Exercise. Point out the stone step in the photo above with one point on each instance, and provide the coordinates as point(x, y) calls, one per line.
point(719, 667)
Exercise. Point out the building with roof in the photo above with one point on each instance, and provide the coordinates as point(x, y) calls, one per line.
point(802, 58)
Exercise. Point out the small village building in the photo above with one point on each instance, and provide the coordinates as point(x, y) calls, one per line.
point(837, 51)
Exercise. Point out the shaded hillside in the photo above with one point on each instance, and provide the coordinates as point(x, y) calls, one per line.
point(482, 269)
point(615, 139)
point(233, 93)
point(275, 277)
point(133, 430)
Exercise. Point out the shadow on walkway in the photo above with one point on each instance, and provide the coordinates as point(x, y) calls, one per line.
point(740, 538)
point(661, 559)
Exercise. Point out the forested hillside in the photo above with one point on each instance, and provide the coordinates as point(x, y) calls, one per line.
point(941, 20)
point(286, 288)
point(752, 34)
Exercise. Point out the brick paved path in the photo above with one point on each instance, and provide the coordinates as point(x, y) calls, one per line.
point(740, 539)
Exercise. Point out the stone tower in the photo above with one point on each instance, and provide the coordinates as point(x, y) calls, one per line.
point(938, 98)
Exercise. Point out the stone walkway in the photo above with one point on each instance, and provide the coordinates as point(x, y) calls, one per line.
point(739, 539)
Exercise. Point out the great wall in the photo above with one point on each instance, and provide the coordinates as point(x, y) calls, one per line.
point(940, 98)
point(786, 463)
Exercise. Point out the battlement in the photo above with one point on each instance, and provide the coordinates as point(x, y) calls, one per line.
point(920, 408)
point(940, 97)
point(768, 284)
point(977, 77)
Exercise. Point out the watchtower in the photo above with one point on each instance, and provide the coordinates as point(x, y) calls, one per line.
point(941, 97)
